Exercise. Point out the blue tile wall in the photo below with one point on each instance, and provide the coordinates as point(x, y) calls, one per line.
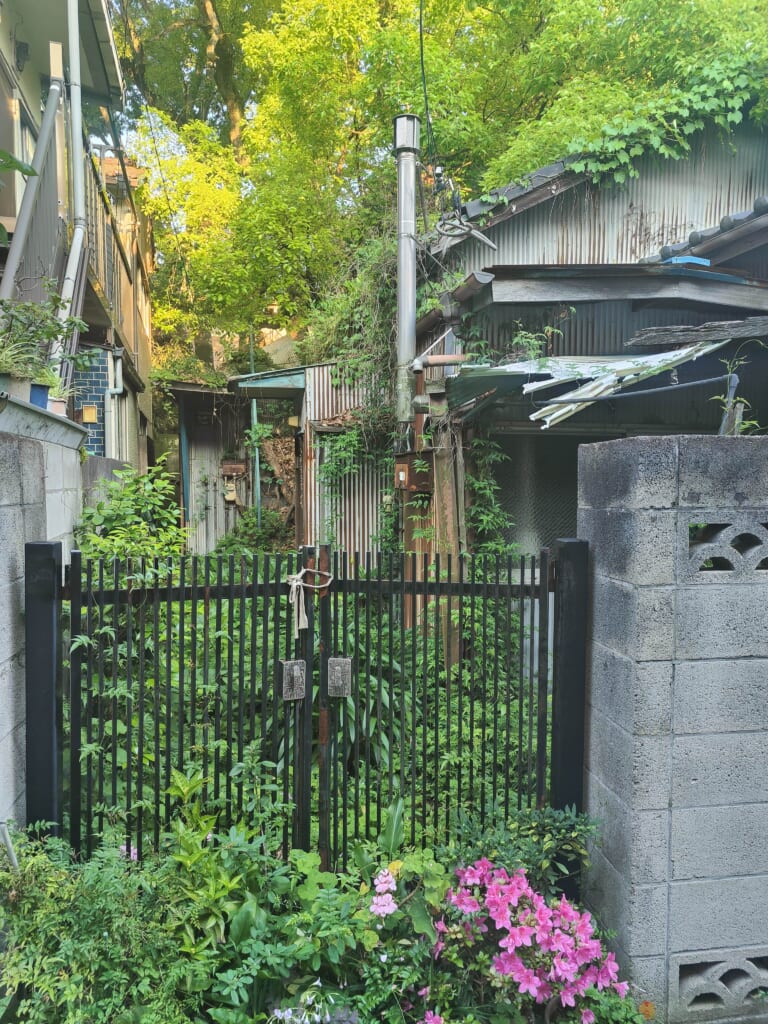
point(90, 388)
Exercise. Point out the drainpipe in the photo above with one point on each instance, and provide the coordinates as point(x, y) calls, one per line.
point(29, 199)
point(111, 419)
point(77, 167)
point(256, 459)
point(406, 151)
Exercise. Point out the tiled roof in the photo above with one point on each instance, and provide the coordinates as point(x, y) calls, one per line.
point(748, 226)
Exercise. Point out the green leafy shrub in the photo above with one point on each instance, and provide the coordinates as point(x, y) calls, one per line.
point(221, 927)
point(247, 537)
point(89, 941)
point(552, 845)
point(136, 517)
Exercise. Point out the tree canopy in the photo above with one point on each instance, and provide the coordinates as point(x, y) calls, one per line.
point(267, 127)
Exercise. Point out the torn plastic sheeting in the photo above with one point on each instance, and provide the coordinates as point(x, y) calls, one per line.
point(610, 375)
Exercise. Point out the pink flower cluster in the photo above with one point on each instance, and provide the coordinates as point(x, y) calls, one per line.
point(383, 903)
point(549, 951)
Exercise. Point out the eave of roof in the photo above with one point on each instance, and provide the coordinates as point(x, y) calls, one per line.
point(506, 202)
point(606, 282)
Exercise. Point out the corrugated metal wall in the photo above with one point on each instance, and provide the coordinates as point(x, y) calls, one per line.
point(590, 328)
point(212, 430)
point(670, 199)
point(350, 522)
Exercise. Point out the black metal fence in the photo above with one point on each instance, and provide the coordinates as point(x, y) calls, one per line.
point(333, 685)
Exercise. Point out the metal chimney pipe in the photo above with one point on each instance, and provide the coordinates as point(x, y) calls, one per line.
point(407, 128)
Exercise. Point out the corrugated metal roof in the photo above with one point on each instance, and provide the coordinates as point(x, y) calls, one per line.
point(598, 377)
point(610, 224)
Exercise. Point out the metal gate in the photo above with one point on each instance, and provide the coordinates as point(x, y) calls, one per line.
point(333, 685)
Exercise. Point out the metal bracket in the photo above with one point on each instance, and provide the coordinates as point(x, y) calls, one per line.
point(294, 679)
point(339, 677)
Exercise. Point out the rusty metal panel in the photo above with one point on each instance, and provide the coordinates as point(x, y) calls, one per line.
point(611, 224)
point(350, 520)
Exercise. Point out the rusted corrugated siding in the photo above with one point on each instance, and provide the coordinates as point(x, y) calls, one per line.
point(354, 519)
point(590, 224)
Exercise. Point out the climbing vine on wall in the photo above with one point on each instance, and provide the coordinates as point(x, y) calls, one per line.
point(717, 93)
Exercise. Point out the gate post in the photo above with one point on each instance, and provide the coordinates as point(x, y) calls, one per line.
point(304, 731)
point(42, 596)
point(324, 763)
point(569, 672)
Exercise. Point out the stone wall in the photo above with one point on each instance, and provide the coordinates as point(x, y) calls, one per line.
point(677, 722)
point(39, 500)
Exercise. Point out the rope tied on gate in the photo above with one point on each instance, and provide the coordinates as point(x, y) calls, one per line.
point(297, 584)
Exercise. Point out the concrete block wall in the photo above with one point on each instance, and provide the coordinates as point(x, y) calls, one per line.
point(677, 718)
point(22, 519)
point(39, 500)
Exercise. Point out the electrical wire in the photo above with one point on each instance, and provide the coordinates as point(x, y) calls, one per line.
point(431, 145)
point(587, 400)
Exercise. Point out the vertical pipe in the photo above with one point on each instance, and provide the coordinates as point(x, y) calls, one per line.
point(324, 805)
point(406, 151)
point(77, 161)
point(75, 701)
point(256, 457)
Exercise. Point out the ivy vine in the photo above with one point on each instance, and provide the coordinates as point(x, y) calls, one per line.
point(719, 93)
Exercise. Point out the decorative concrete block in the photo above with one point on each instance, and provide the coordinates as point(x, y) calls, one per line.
point(724, 768)
point(711, 842)
point(722, 546)
point(721, 621)
point(633, 473)
point(717, 913)
point(712, 985)
point(637, 546)
point(708, 693)
point(635, 695)
point(726, 472)
point(636, 622)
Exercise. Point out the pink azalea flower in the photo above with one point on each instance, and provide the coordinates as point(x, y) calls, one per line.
point(432, 1018)
point(622, 987)
point(587, 1017)
point(528, 982)
point(465, 902)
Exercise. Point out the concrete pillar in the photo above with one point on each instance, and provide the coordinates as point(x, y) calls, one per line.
point(677, 731)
